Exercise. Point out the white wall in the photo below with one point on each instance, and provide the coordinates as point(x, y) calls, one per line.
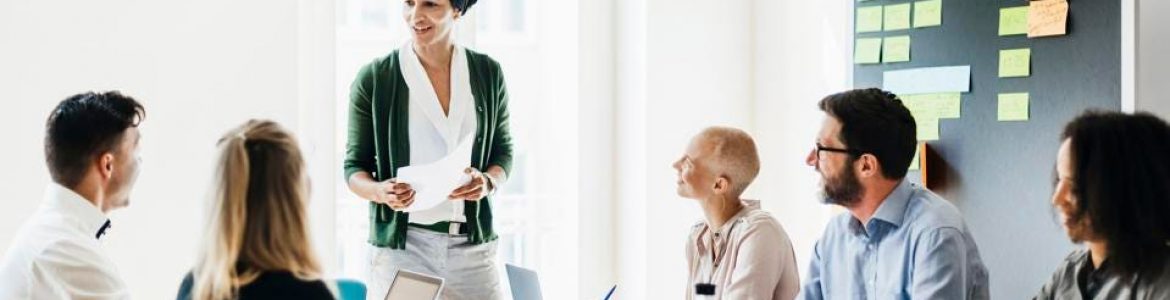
point(199, 67)
point(1153, 67)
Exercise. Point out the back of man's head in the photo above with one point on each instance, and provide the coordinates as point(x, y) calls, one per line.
point(82, 128)
point(733, 153)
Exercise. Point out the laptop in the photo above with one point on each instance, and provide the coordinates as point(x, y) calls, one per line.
point(524, 283)
point(409, 285)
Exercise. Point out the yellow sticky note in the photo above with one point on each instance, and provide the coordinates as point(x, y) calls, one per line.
point(869, 19)
point(1013, 107)
point(927, 13)
point(867, 51)
point(896, 49)
point(1015, 62)
point(914, 161)
point(1047, 18)
point(927, 128)
point(1013, 20)
point(937, 106)
point(897, 17)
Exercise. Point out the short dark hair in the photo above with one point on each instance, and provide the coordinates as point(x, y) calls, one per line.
point(1120, 179)
point(876, 122)
point(84, 126)
point(462, 5)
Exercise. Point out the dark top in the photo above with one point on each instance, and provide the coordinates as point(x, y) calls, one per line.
point(1076, 279)
point(270, 285)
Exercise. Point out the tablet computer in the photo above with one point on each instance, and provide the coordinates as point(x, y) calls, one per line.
point(409, 285)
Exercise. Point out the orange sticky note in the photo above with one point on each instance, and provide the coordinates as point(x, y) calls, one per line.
point(1047, 18)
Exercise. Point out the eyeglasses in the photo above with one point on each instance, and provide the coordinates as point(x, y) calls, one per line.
point(817, 148)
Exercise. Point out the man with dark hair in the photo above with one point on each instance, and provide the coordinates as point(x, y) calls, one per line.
point(899, 240)
point(1112, 196)
point(91, 148)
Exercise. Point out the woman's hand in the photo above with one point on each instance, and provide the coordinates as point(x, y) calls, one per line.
point(474, 190)
point(397, 195)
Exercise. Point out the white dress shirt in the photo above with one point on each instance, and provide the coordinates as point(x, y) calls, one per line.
point(434, 134)
point(56, 253)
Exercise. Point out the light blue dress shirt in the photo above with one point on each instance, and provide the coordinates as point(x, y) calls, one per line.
point(916, 246)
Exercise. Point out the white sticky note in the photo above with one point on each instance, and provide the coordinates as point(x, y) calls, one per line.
point(928, 80)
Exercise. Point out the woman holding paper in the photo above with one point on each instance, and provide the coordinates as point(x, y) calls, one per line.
point(415, 107)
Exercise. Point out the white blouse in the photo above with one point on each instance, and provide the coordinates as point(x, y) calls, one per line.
point(432, 134)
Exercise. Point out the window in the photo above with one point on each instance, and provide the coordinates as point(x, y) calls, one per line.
point(536, 210)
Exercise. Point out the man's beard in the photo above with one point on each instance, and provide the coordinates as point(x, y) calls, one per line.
point(843, 189)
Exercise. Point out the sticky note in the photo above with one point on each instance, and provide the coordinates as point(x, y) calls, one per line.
point(1047, 18)
point(1015, 62)
point(914, 161)
point(927, 80)
point(939, 106)
point(896, 49)
point(1013, 107)
point(897, 17)
point(1013, 20)
point(927, 13)
point(869, 19)
point(927, 128)
point(867, 51)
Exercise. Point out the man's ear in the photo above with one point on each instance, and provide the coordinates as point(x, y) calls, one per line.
point(868, 166)
point(106, 165)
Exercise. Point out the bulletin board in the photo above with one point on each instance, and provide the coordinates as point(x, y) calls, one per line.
point(1000, 171)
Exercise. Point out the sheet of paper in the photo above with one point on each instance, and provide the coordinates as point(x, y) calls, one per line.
point(927, 13)
point(897, 17)
point(1047, 18)
point(1013, 107)
point(927, 128)
point(914, 161)
point(433, 182)
point(928, 80)
point(869, 19)
point(941, 105)
point(1013, 20)
point(896, 49)
point(868, 51)
point(1015, 62)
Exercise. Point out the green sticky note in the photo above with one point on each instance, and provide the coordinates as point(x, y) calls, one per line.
point(896, 49)
point(867, 51)
point(1015, 62)
point(914, 161)
point(897, 17)
point(1013, 107)
point(927, 13)
point(927, 128)
point(869, 19)
point(1013, 20)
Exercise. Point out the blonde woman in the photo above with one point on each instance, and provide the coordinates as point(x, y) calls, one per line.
point(256, 245)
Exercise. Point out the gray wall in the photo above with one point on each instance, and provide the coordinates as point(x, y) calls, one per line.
point(1153, 67)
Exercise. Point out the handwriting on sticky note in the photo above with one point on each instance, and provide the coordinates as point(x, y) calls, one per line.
point(897, 17)
point(867, 51)
point(896, 49)
point(927, 13)
point(1015, 62)
point(1013, 20)
point(1047, 18)
point(1013, 107)
point(940, 106)
point(869, 19)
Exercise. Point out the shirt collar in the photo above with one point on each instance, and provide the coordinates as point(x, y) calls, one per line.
point(82, 214)
point(893, 208)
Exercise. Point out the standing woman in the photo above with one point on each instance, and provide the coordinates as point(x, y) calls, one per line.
point(412, 107)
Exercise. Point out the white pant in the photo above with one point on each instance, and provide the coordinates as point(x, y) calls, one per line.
point(469, 271)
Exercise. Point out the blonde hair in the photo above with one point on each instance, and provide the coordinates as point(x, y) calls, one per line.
point(256, 220)
point(735, 154)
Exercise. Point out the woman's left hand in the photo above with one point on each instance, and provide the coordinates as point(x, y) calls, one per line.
point(474, 190)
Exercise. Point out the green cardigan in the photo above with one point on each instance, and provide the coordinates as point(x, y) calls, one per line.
point(379, 143)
